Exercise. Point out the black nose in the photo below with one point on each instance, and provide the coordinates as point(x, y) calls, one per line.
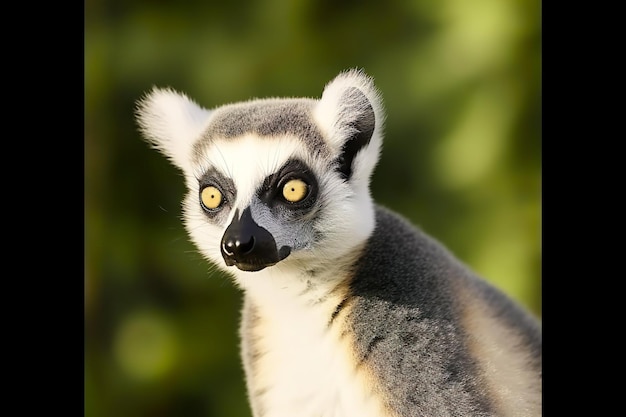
point(247, 245)
point(233, 247)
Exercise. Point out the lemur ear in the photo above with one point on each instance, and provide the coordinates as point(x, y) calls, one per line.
point(351, 114)
point(171, 122)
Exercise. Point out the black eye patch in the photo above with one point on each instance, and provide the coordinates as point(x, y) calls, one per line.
point(271, 191)
point(225, 185)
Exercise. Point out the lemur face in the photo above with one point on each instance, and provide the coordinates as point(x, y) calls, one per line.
point(272, 182)
point(261, 197)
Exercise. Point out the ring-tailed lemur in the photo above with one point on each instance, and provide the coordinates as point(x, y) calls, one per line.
point(349, 310)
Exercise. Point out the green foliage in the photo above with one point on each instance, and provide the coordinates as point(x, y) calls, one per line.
point(461, 84)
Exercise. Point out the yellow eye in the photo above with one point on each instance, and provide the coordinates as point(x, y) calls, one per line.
point(295, 190)
point(211, 197)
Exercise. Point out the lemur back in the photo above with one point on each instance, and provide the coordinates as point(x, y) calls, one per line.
point(349, 310)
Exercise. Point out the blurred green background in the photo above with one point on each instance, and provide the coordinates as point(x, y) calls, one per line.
point(461, 81)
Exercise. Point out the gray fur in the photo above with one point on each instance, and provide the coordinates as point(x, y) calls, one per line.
point(265, 118)
point(296, 234)
point(405, 318)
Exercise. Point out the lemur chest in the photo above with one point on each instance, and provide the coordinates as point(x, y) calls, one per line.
point(300, 365)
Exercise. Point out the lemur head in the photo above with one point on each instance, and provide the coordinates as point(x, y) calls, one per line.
point(275, 184)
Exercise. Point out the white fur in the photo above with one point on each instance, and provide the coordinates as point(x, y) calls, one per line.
point(171, 122)
point(301, 351)
point(248, 160)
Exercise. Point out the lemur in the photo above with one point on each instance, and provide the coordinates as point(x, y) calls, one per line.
point(349, 310)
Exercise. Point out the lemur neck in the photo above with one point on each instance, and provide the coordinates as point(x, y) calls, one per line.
point(295, 286)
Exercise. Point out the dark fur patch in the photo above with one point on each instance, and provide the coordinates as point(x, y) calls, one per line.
point(265, 118)
point(363, 126)
point(338, 309)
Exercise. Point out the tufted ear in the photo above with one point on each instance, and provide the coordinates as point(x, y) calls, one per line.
point(351, 114)
point(171, 122)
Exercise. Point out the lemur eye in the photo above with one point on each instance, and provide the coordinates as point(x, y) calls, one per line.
point(211, 197)
point(295, 190)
